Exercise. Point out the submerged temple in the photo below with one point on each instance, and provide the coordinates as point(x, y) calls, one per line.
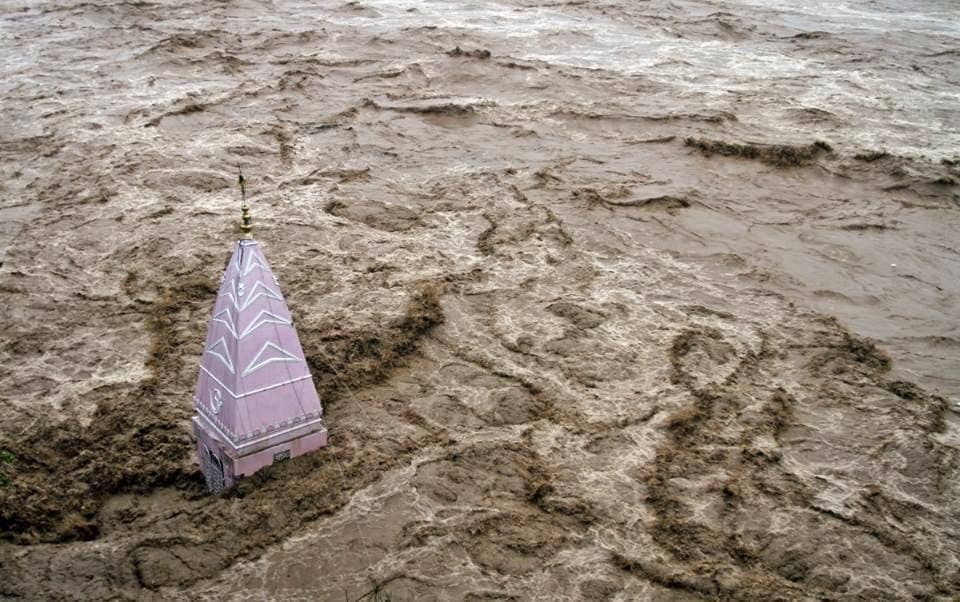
point(255, 399)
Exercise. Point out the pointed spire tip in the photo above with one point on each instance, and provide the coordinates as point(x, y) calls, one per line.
point(246, 224)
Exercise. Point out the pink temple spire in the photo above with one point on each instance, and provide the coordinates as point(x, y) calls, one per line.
point(255, 399)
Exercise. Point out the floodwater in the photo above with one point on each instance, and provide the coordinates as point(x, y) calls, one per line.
point(605, 300)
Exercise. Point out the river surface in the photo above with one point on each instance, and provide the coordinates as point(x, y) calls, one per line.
point(605, 299)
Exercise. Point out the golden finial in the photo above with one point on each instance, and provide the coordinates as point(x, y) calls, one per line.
point(246, 226)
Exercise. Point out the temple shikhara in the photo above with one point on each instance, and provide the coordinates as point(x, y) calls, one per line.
point(255, 399)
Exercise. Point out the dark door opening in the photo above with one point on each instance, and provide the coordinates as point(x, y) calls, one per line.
point(213, 471)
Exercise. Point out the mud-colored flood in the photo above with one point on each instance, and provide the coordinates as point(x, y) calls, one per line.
point(605, 300)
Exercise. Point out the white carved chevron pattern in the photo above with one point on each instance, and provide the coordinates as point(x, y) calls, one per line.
point(259, 290)
point(220, 350)
point(263, 318)
point(264, 291)
point(254, 261)
point(233, 299)
point(223, 316)
point(268, 354)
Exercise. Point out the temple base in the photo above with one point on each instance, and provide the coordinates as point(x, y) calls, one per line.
point(223, 464)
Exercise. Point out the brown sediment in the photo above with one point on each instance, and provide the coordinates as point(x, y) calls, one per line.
point(160, 212)
point(531, 522)
point(667, 201)
point(871, 156)
point(64, 471)
point(478, 53)
point(341, 175)
point(716, 430)
point(390, 218)
point(348, 360)
point(447, 108)
point(284, 146)
point(862, 227)
point(135, 442)
point(516, 65)
point(484, 241)
point(660, 140)
point(716, 117)
point(186, 109)
point(581, 317)
point(779, 155)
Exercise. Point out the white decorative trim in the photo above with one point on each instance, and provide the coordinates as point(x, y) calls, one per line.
point(257, 322)
point(255, 391)
point(267, 292)
point(254, 365)
point(267, 388)
point(233, 299)
point(229, 439)
point(283, 432)
point(213, 426)
point(225, 358)
point(229, 323)
point(218, 381)
point(215, 420)
point(255, 261)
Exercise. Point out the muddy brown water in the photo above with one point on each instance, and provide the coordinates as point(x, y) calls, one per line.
point(605, 300)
